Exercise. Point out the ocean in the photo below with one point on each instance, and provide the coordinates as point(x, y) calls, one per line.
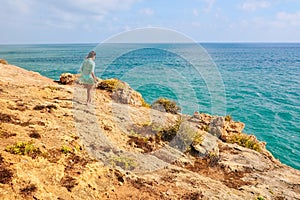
point(255, 83)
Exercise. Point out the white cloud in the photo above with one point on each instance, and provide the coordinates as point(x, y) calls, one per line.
point(62, 12)
point(254, 5)
point(196, 24)
point(94, 9)
point(210, 4)
point(288, 16)
point(98, 7)
point(127, 28)
point(146, 11)
point(195, 12)
point(292, 19)
point(282, 26)
point(20, 6)
point(15, 11)
point(280, 21)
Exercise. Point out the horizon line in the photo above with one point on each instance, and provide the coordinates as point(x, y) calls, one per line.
point(198, 42)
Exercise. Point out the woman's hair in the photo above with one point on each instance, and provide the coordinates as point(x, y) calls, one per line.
point(91, 54)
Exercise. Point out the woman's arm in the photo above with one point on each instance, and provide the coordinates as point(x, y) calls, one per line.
point(94, 77)
point(92, 72)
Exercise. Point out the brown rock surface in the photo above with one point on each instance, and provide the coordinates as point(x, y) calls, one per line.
point(89, 152)
point(68, 78)
point(4, 62)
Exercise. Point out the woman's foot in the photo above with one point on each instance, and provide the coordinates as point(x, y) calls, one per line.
point(89, 104)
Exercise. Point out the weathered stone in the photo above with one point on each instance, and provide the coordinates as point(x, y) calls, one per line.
point(234, 126)
point(231, 127)
point(205, 118)
point(227, 171)
point(4, 62)
point(127, 96)
point(197, 115)
point(67, 78)
point(216, 126)
point(209, 144)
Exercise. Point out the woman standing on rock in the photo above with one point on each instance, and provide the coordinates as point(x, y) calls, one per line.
point(88, 78)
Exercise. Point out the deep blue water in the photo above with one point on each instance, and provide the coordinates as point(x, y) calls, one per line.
point(255, 83)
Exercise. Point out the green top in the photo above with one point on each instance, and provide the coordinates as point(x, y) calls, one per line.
point(87, 67)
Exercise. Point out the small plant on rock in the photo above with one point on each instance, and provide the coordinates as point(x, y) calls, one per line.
point(228, 118)
point(168, 133)
point(168, 105)
point(111, 84)
point(123, 162)
point(145, 104)
point(24, 148)
point(244, 140)
point(187, 136)
point(205, 128)
point(65, 149)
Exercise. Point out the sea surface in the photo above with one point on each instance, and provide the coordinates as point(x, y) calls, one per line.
point(255, 83)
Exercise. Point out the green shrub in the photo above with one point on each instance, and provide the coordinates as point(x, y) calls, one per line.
point(206, 128)
point(213, 159)
point(198, 139)
point(78, 148)
point(65, 149)
point(186, 137)
point(228, 118)
point(260, 198)
point(24, 148)
point(168, 133)
point(169, 105)
point(123, 162)
point(145, 104)
point(111, 84)
point(146, 124)
point(244, 140)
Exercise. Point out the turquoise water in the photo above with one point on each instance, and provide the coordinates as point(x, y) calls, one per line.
point(261, 81)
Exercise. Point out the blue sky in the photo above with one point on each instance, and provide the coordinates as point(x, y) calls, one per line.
point(81, 21)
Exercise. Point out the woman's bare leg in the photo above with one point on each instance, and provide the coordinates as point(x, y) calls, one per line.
point(89, 94)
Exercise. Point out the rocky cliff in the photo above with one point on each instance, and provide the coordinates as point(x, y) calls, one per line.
point(53, 146)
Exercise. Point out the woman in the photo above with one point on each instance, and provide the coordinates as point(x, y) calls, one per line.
point(88, 78)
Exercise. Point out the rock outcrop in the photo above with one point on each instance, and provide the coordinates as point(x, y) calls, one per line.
point(121, 92)
point(67, 78)
point(4, 62)
point(53, 146)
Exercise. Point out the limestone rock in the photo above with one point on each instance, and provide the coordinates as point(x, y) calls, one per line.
point(234, 126)
point(68, 78)
point(32, 104)
point(231, 127)
point(208, 144)
point(121, 92)
point(236, 158)
point(4, 62)
point(205, 118)
point(216, 126)
point(127, 96)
